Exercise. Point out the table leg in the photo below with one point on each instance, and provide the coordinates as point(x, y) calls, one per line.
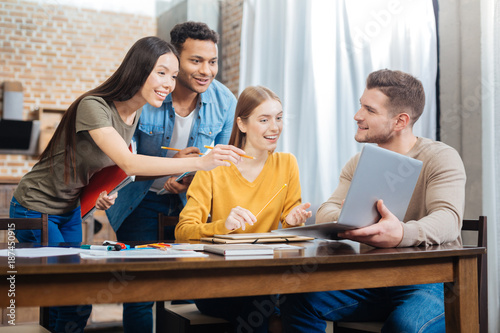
point(461, 298)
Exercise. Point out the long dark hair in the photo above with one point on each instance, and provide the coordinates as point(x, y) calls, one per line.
point(121, 86)
point(249, 100)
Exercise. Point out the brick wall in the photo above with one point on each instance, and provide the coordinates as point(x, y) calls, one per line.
point(232, 13)
point(58, 52)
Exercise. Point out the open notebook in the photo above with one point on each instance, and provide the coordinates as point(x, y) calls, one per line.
point(254, 238)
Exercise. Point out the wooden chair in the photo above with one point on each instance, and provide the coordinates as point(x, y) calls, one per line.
point(186, 318)
point(165, 221)
point(183, 318)
point(37, 223)
point(478, 226)
point(168, 221)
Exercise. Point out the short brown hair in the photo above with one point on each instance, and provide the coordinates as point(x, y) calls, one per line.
point(405, 92)
point(249, 100)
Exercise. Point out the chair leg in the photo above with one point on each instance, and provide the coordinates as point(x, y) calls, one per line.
point(169, 322)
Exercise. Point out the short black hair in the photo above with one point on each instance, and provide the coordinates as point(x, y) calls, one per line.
point(194, 30)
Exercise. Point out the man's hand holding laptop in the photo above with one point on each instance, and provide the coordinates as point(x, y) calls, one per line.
point(387, 232)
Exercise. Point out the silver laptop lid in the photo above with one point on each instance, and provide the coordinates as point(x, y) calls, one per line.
point(380, 174)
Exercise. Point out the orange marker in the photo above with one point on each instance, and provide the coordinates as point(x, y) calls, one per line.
point(161, 246)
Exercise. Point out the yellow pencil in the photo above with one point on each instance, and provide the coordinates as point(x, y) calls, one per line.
point(247, 156)
point(176, 149)
point(267, 204)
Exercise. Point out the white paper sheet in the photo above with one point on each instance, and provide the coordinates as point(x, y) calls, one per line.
point(140, 254)
point(38, 252)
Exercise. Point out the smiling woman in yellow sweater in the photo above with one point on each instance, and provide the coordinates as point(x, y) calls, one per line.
point(233, 196)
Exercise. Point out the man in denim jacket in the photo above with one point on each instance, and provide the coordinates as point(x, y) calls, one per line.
point(198, 112)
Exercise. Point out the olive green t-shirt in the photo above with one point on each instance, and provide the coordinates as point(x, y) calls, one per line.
point(43, 188)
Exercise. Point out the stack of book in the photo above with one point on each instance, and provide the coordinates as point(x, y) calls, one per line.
point(240, 250)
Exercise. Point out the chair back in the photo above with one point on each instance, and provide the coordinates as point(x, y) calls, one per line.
point(32, 223)
point(165, 221)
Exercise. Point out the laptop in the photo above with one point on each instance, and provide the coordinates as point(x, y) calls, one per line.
point(380, 174)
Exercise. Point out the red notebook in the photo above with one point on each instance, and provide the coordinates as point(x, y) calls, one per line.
point(110, 179)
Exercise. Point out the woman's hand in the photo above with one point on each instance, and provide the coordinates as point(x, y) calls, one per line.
point(238, 217)
point(221, 155)
point(298, 215)
point(104, 201)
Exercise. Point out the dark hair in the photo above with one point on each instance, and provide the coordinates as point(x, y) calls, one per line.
point(125, 82)
point(194, 30)
point(248, 101)
point(405, 92)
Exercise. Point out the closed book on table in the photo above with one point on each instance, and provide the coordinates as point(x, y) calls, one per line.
point(239, 249)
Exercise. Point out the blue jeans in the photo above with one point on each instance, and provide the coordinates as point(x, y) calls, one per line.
point(142, 225)
point(409, 309)
point(246, 314)
point(65, 228)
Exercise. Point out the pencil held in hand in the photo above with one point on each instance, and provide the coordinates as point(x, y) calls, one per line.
point(267, 204)
point(247, 156)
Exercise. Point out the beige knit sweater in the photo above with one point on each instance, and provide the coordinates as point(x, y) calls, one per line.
point(434, 215)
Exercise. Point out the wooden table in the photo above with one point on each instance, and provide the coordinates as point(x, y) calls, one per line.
point(69, 280)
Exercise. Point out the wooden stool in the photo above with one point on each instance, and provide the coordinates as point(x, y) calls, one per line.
point(186, 318)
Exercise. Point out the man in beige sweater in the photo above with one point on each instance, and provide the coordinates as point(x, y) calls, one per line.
point(391, 103)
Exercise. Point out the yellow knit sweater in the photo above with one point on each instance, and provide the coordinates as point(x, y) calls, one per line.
point(217, 191)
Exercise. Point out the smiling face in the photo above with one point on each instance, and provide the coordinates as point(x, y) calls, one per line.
point(198, 64)
point(263, 127)
point(375, 125)
point(161, 81)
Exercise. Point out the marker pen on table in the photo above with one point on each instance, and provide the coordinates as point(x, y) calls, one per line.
point(118, 245)
point(99, 247)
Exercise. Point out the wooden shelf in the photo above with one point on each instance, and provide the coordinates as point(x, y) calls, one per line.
point(49, 120)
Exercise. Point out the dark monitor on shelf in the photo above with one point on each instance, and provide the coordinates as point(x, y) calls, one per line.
point(19, 137)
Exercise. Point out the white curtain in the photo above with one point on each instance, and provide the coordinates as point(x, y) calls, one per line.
point(316, 55)
point(490, 18)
